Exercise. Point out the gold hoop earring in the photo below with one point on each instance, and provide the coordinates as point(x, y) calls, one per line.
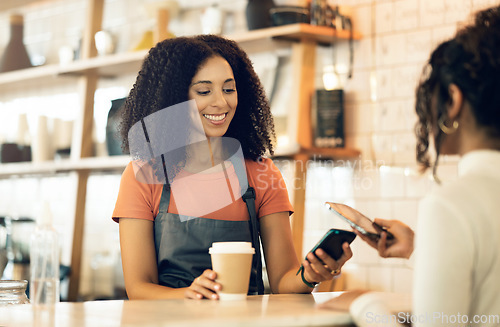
point(448, 130)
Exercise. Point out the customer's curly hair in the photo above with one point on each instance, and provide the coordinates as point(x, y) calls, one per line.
point(470, 60)
point(164, 81)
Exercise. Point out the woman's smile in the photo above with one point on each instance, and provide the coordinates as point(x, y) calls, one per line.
point(216, 119)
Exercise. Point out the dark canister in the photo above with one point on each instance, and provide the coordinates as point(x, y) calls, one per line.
point(258, 13)
point(113, 139)
point(15, 55)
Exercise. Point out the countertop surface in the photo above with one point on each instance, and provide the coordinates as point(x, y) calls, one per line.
point(260, 310)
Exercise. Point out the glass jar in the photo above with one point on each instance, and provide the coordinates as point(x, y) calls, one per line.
point(13, 292)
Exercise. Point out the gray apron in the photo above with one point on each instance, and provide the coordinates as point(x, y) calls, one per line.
point(182, 246)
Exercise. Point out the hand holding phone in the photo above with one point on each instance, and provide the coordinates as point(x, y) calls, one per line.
point(332, 242)
point(358, 221)
point(401, 246)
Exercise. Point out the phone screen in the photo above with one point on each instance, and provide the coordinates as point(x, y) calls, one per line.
point(358, 221)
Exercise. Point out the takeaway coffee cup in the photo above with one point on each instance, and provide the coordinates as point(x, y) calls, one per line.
point(232, 261)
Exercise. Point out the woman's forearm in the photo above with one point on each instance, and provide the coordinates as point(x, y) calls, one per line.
point(292, 283)
point(151, 291)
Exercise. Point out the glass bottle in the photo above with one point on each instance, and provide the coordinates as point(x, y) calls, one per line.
point(13, 292)
point(44, 252)
point(15, 55)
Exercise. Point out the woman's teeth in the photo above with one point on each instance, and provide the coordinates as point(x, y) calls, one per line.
point(215, 117)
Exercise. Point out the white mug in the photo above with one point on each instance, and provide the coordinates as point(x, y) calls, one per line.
point(211, 20)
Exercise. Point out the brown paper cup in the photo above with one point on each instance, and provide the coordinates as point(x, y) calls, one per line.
point(232, 261)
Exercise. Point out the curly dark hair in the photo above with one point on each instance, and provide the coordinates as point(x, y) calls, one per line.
point(470, 60)
point(164, 81)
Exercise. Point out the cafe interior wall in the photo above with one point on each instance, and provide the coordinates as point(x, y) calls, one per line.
point(397, 37)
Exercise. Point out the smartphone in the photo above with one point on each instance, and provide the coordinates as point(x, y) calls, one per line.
point(332, 242)
point(358, 221)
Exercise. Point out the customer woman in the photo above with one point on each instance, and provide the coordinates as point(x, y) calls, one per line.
point(165, 256)
point(457, 264)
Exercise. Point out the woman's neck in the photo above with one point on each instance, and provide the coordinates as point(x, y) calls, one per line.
point(204, 155)
point(476, 138)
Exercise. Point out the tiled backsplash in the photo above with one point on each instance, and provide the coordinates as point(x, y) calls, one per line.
point(398, 36)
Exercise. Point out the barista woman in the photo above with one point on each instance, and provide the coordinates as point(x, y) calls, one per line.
point(167, 257)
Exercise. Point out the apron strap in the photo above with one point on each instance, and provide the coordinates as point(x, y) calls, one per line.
point(249, 198)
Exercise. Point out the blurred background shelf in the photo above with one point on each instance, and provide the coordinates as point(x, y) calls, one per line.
point(118, 163)
point(296, 32)
point(13, 4)
point(105, 66)
point(94, 164)
point(130, 62)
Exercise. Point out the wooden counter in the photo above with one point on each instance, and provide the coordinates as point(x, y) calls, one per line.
point(266, 310)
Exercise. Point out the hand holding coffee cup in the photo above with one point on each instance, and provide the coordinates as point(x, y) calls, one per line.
point(232, 261)
point(204, 286)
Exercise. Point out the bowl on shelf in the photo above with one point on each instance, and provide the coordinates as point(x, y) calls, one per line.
point(284, 15)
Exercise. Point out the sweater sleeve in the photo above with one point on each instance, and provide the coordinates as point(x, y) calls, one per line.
point(377, 309)
point(443, 265)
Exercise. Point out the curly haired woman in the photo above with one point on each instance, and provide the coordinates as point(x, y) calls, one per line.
point(457, 264)
point(166, 257)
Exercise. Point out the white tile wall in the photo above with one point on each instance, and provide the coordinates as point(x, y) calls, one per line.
point(361, 20)
point(384, 17)
point(397, 38)
point(358, 118)
point(442, 33)
point(456, 11)
point(481, 4)
point(432, 12)
point(406, 14)
point(417, 46)
point(383, 87)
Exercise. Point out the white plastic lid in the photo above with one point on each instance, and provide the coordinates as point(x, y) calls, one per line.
point(231, 247)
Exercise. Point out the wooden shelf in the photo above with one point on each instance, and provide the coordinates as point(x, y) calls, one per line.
point(27, 74)
point(95, 164)
point(331, 153)
point(106, 66)
point(118, 163)
point(15, 4)
point(316, 153)
point(295, 32)
point(130, 62)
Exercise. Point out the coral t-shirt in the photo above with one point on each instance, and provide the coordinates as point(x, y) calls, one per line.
point(214, 195)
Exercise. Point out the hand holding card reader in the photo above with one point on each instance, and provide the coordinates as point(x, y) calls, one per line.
point(358, 221)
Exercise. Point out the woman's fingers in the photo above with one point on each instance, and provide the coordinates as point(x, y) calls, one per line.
point(384, 222)
point(346, 255)
point(320, 270)
point(382, 245)
point(204, 286)
point(323, 267)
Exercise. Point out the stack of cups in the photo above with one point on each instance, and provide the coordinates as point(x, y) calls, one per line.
point(232, 261)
